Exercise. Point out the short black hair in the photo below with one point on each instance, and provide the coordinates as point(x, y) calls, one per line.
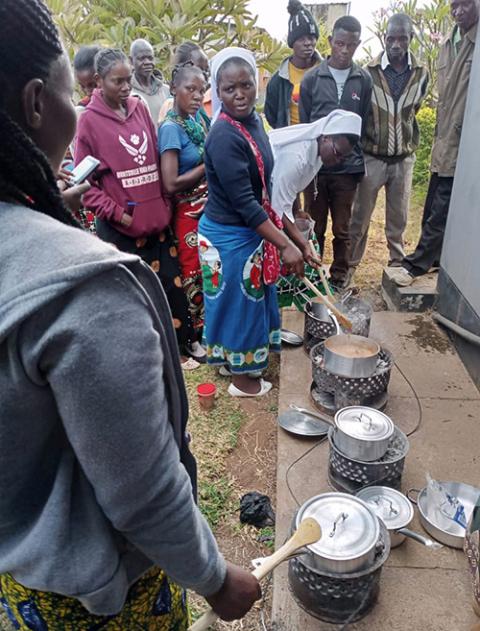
point(85, 58)
point(347, 23)
point(235, 61)
point(401, 19)
point(183, 53)
point(106, 58)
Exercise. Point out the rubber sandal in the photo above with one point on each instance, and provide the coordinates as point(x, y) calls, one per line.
point(265, 387)
point(190, 364)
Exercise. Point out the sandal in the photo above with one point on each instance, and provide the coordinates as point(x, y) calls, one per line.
point(190, 364)
point(265, 387)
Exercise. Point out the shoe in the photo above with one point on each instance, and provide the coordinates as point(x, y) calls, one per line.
point(394, 264)
point(337, 284)
point(198, 352)
point(402, 277)
point(265, 387)
point(190, 364)
point(225, 372)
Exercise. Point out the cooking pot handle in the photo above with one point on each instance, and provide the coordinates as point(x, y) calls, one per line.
point(414, 500)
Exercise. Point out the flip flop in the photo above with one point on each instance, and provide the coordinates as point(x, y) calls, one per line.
point(190, 364)
point(265, 387)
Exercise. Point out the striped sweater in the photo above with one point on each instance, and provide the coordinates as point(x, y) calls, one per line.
point(392, 129)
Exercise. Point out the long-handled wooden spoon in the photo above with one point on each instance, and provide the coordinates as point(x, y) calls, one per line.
point(340, 316)
point(308, 532)
point(321, 272)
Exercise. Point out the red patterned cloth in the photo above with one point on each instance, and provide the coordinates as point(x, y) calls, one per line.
point(271, 255)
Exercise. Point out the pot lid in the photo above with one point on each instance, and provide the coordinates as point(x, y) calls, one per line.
point(364, 423)
point(391, 506)
point(350, 528)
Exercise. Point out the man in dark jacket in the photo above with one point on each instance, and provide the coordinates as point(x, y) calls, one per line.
point(337, 83)
point(283, 90)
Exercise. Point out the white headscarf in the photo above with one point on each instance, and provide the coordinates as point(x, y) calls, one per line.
point(217, 61)
point(337, 122)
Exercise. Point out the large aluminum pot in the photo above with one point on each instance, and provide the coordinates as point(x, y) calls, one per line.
point(351, 356)
point(396, 512)
point(363, 433)
point(350, 532)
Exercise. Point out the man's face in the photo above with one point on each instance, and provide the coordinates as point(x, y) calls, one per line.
point(333, 150)
point(143, 62)
point(465, 13)
point(397, 41)
point(304, 47)
point(343, 46)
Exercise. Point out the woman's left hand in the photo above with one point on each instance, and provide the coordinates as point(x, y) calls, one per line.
point(310, 256)
point(72, 197)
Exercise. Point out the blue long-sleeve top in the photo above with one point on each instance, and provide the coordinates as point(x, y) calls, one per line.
point(234, 183)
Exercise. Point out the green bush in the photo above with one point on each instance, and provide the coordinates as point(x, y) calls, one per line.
point(421, 173)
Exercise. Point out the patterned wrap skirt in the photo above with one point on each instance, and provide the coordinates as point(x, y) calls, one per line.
point(153, 604)
point(188, 210)
point(242, 319)
point(159, 251)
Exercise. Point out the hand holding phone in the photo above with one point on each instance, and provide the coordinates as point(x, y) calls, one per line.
point(85, 168)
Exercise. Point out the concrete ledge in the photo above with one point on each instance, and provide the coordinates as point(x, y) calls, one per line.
point(420, 296)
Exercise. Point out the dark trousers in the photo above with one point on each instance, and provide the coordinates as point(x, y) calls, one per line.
point(335, 193)
point(435, 214)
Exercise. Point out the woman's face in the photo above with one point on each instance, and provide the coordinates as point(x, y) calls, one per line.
point(49, 112)
point(237, 90)
point(189, 92)
point(86, 81)
point(116, 85)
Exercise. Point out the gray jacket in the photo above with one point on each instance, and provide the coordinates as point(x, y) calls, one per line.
point(92, 421)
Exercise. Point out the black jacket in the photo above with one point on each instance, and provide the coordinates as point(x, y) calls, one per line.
point(319, 97)
point(279, 96)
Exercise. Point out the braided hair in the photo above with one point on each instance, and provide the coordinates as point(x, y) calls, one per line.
point(26, 176)
point(107, 58)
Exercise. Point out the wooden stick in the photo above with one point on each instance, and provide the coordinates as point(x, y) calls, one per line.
point(344, 321)
point(308, 532)
point(321, 273)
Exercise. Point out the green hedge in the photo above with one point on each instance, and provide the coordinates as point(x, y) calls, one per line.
point(421, 174)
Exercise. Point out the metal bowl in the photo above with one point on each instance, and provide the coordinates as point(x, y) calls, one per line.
point(351, 355)
point(435, 523)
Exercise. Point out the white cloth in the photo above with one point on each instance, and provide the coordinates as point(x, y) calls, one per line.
point(295, 150)
point(217, 61)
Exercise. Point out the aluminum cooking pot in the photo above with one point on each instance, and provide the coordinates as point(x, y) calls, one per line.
point(435, 522)
point(351, 356)
point(350, 528)
point(363, 433)
point(396, 512)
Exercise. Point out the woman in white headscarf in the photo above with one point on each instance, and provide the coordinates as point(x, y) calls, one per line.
point(240, 236)
point(300, 151)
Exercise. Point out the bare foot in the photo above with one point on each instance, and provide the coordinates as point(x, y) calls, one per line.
point(247, 384)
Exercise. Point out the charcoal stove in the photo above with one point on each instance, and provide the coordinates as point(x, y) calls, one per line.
point(349, 476)
point(331, 393)
point(316, 330)
point(338, 598)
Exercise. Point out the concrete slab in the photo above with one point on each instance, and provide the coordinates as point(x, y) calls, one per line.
point(420, 589)
point(418, 297)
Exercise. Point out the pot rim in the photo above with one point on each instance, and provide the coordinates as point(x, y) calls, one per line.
point(365, 341)
point(331, 440)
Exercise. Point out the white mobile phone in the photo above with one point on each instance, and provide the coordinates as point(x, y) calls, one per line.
point(86, 167)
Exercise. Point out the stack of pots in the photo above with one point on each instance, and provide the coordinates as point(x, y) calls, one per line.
point(365, 448)
point(338, 578)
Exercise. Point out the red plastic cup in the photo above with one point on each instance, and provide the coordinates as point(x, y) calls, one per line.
point(206, 396)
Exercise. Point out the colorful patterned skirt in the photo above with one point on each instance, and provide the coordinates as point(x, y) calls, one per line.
point(160, 253)
point(153, 604)
point(242, 319)
point(188, 210)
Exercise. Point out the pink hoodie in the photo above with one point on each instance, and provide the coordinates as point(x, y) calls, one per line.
point(129, 169)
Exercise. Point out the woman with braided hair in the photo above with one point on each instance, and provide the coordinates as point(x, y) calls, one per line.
point(181, 144)
point(127, 194)
point(96, 479)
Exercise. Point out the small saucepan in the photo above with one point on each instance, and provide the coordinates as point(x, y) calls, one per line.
point(351, 356)
point(363, 433)
point(396, 512)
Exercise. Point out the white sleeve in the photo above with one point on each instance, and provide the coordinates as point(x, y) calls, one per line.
point(286, 182)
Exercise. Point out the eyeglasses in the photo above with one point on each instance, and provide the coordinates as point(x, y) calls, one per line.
point(335, 151)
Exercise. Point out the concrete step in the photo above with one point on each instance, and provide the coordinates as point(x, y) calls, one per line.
point(420, 296)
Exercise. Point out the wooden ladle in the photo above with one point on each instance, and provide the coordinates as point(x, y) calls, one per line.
point(344, 321)
point(308, 532)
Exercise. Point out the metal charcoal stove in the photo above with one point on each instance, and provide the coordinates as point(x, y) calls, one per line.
point(338, 598)
point(316, 330)
point(331, 393)
point(349, 476)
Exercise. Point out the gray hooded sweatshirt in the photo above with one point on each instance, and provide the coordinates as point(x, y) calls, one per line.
point(93, 409)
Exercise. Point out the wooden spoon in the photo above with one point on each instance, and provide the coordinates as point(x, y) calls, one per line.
point(321, 272)
point(308, 532)
point(340, 316)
